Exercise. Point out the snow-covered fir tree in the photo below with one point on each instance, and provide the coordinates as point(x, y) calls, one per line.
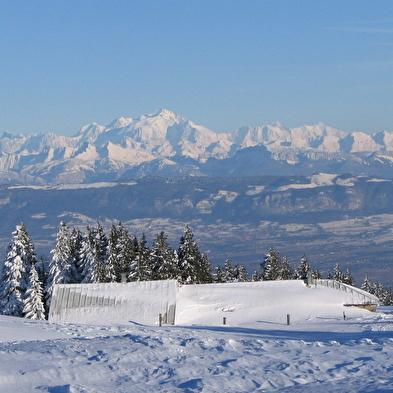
point(286, 272)
point(100, 242)
point(33, 302)
point(258, 274)
point(272, 265)
point(162, 259)
point(88, 257)
point(218, 274)
point(42, 267)
point(229, 274)
point(140, 267)
point(16, 272)
point(378, 290)
point(366, 286)
point(94, 256)
point(133, 266)
point(303, 269)
point(387, 297)
point(241, 273)
point(76, 244)
point(60, 264)
point(316, 274)
point(338, 274)
point(127, 248)
point(113, 270)
point(204, 270)
point(194, 267)
point(348, 279)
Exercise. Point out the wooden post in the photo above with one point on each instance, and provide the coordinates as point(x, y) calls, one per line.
point(288, 319)
point(159, 319)
point(344, 316)
point(224, 320)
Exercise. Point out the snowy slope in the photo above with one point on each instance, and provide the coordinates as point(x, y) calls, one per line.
point(319, 351)
point(243, 304)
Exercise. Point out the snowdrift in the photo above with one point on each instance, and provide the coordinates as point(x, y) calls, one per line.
point(235, 304)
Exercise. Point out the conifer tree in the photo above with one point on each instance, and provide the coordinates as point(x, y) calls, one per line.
point(241, 273)
point(387, 297)
point(348, 279)
point(94, 251)
point(60, 265)
point(204, 270)
point(378, 290)
point(303, 269)
point(229, 274)
point(113, 270)
point(127, 249)
point(194, 267)
point(140, 267)
point(76, 256)
point(338, 274)
point(161, 259)
point(316, 274)
point(237, 273)
point(88, 257)
point(134, 268)
point(16, 271)
point(187, 257)
point(33, 302)
point(272, 265)
point(100, 242)
point(42, 267)
point(258, 274)
point(218, 275)
point(286, 272)
point(366, 286)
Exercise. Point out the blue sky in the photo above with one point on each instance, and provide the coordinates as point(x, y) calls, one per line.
point(222, 64)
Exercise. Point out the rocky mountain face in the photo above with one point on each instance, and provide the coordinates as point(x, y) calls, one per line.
point(169, 145)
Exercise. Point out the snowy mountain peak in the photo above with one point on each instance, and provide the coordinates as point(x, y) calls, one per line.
point(276, 124)
point(132, 145)
point(166, 116)
point(120, 122)
point(6, 134)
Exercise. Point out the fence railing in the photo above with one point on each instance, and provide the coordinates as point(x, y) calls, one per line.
point(358, 295)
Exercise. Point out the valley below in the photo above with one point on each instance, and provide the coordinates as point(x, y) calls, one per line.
point(341, 219)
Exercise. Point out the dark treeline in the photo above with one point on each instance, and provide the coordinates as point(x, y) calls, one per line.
point(96, 257)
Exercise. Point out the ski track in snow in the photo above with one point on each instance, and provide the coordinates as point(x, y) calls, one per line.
point(329, 355)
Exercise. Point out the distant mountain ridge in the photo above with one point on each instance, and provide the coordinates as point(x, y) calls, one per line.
point(165, 144)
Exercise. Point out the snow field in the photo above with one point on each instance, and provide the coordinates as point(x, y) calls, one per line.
point(329, 354)
point(269, 301)
point(255, 351)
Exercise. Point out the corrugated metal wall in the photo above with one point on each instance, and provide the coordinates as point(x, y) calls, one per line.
point(139, 302)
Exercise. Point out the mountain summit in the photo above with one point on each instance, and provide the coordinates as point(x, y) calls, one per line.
point(164, 143)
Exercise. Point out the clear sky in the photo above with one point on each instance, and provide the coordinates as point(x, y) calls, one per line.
point(221, 63)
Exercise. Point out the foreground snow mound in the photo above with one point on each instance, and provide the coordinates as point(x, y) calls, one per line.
point(237, 304)
point(267, 301)
point(328, 354)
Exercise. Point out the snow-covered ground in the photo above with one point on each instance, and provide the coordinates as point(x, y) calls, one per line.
point(318, 351)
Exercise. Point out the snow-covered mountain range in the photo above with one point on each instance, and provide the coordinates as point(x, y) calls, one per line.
point(166, 144)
